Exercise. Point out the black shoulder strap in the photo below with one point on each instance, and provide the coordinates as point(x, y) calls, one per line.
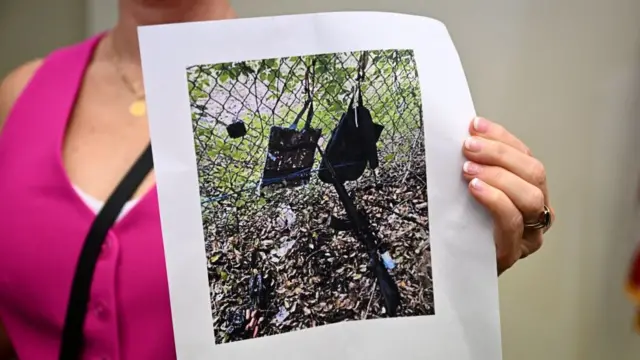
point(72, 333)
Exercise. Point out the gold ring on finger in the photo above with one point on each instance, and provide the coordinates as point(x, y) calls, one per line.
point(542, 222)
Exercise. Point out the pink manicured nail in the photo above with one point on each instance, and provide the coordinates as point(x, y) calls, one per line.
point(472, 144)
point(480, 125)
point(471, 168)
point(477, 184)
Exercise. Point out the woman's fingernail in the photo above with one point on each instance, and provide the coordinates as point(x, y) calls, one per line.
point(477, 184)
point(471, 168)
point(472, 144)
point(480, 125)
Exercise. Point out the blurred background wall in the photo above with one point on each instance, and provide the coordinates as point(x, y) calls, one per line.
point(564, 75)
point(31, 28)
point(101, 15)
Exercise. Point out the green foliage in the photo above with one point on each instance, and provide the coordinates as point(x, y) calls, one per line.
point(390, 90)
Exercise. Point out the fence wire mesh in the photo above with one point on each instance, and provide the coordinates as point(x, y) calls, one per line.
point(316, 275)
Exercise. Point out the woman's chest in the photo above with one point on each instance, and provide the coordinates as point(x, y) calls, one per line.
point(42, 231)
point(101, 142)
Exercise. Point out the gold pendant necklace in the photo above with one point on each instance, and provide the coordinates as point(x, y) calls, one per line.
point(138, 108)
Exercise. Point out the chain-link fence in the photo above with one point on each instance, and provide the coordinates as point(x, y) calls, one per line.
point(313, 274)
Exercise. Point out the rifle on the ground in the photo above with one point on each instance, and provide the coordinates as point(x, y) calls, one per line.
point(362, 229)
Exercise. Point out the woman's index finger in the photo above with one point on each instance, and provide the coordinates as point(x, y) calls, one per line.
point(487, 129)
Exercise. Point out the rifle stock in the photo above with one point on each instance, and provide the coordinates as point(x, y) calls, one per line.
point(388, 287)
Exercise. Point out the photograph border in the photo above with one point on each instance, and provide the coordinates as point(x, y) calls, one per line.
point(463, 254)
point(241, 112)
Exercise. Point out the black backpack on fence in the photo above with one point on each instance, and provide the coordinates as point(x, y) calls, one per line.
point(352, 145)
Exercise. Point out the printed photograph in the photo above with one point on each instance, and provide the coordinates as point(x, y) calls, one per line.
point(313, 187)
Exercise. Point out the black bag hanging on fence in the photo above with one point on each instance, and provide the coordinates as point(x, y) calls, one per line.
point(291, 152)
point(352, 145)
point(72, 333)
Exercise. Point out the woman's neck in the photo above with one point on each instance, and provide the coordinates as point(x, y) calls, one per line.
point(134, 13)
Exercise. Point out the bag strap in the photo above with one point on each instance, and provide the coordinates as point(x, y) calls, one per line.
point(72, 333)
point(360, 77)
point(308, 104)
point(311, 83)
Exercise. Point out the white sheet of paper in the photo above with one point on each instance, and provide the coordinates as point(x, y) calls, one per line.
point(463, 271)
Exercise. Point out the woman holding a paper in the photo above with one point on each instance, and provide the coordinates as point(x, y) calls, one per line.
point(71, 126)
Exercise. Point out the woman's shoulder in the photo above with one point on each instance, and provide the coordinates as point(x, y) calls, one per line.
point(13, 84)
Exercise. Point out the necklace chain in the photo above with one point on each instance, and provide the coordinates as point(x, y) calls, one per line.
point(138, 106)
point(123, 75)
point(139, 94)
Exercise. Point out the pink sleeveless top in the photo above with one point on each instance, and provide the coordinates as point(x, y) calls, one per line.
point(43, 224)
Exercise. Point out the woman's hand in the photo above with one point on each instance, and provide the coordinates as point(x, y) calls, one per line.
point(512, 184)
